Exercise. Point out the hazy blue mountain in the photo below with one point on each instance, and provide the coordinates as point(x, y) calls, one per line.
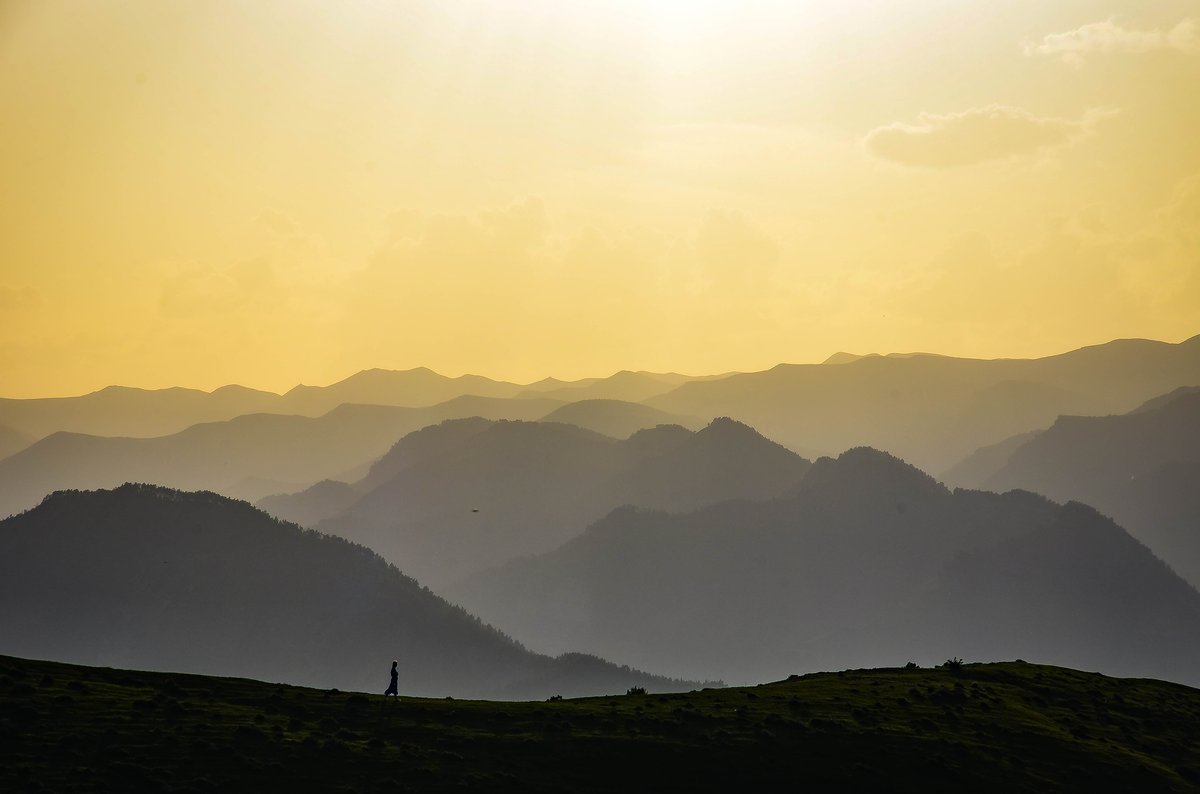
point(248, 457)
point(869, 561)
point(452, 499)
point(1142, 468)
point(617, 418)
point(152, 578)
point(935, 410)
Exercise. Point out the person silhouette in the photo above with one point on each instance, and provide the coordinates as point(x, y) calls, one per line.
point(393, 688)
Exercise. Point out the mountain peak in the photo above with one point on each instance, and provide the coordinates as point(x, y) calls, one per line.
point(870, 470)
point(726, 426)
point(1184, 395)
point(842, 357)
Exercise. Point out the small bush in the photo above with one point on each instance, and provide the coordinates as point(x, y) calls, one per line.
point(636, 690)
point(554, 698)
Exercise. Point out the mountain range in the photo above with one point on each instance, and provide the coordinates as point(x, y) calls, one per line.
point(248, 457)
point(148, 577)
point(1142, 468)
point(935, 410)
point(932, 410)
point(454, 498)
point(867, 561)
point(143, 413)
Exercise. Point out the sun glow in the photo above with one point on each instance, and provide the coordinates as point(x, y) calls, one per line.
point(276, 192)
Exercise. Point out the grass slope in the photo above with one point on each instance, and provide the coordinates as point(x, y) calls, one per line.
point(988, 727)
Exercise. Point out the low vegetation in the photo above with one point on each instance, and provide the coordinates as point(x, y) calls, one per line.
point(982, 727)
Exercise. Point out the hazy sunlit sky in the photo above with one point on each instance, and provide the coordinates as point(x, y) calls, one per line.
point(209, 192)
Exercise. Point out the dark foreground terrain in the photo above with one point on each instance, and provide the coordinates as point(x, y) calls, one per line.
point(1000, 727)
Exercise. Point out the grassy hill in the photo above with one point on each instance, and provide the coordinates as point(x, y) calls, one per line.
point(988, 727)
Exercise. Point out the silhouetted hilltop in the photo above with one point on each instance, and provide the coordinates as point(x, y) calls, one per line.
point(862, 564)
point(935, 410)
point(616, 418)
point(452, 499)
point(248, 457)
point(1008, 727)
point(147, 577)
point(1134, 467)
point(726, 460)
point(866, 474)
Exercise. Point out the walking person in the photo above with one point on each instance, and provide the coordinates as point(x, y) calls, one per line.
point(394, 687)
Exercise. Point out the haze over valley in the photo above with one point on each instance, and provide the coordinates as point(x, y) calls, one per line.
point(687, 545)
point(599, 395)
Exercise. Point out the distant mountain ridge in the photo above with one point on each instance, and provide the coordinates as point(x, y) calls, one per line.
point(935, 410)
point(154, 578)
point(617, 418)
point(868, 560)
point(467, 494)
point(143, 413)
point(928, 408)
point(250, 456)
point(1142, 467)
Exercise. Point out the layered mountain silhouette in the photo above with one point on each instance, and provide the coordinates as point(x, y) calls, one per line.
point(1142, 468)
point(617, 418)
point(867, 561)
point(143, 413)
point(153, 578)
point(626, 386)
point(452, 499)
point(125, 411)
point(935, 410)
point(976, 468)
point(316, 503)
point(247, 457)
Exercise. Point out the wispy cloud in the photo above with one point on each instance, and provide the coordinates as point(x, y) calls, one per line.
point(976, 135)
point(1109, 36)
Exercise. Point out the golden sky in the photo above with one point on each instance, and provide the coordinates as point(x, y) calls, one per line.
point(206, 192)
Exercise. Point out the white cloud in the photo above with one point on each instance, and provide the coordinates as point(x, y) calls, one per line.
point(1107, 37)
point(976, 135)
